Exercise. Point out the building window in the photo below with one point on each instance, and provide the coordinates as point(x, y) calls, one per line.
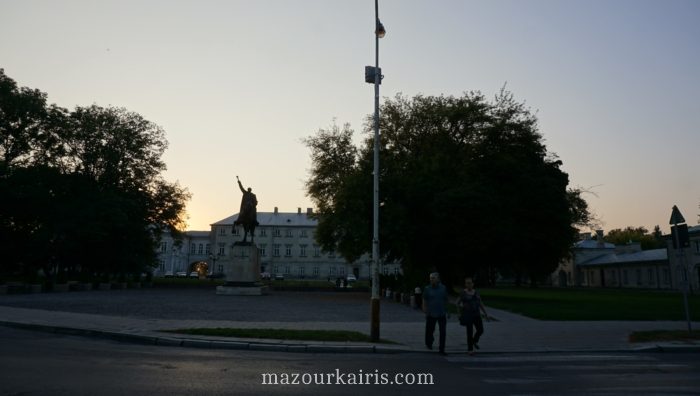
point(386, 270)
point(276, 232)
point(201, 249)
point(667, 276)
point(302, 250)
point(317, 251)
point(221, 268)
point(650, 274)
point(396, 270)
point(288, 233)
point(331, 254)
point(341, 271)
point(163, 247)
point(697, 247)
point(236, 231)
point(301, 272)
point(287, 250)
point(261, 249)
point(625, 280)
point(316, 271)
point(639, 277)
point(304, 234)
point(207, 249)
point(222, 231)
point(331, 271)
point(275, 251)
point(286, 269)
point(193, 248)
point(277, 269)
point(222, 249)
point(263, 232)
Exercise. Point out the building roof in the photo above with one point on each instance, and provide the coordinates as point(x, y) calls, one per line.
point(644, 256)
point(278, 219)
point(198, 234)
point(591, 244)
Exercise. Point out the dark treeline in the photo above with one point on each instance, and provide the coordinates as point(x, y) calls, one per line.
point(82, 191)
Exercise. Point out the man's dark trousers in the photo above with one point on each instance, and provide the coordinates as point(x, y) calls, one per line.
point(430, 330)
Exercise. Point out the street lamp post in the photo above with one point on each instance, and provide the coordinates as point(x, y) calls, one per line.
point(374, 75)
point(213, 264)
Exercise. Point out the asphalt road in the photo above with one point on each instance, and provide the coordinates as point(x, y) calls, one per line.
point(35, 363)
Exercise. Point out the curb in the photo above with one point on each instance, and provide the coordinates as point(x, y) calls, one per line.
point(273, 346)
point(279, 346)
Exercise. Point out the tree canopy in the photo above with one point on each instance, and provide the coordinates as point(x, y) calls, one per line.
point(466, 187)
point(83, 192)
point(641, 235)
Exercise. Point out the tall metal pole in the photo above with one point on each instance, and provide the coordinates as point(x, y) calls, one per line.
point(680, 254)
point(374, 325)
point(676, 220)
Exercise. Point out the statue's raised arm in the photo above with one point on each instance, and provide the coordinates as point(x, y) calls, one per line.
point(240, 185)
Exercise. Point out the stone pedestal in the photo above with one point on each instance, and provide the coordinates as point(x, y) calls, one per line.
point(242, 272)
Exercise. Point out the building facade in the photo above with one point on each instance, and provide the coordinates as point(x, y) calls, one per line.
point(186, 255)
point(286, 244)
point(595, 263)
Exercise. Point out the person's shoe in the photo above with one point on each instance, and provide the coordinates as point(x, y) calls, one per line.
point(429, 346)
point(476, 346)
point(471, 353)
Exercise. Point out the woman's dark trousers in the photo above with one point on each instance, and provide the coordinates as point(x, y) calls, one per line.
point(471, 337)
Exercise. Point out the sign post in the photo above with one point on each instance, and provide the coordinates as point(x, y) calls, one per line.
point(679, 231)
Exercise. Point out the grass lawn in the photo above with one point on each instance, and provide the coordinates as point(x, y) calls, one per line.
point(281, 334)
point(592, 304)
point(664, 335)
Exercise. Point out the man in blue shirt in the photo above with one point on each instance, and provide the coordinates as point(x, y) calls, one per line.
point(435, 308)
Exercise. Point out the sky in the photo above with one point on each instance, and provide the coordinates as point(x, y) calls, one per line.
point(237, 85)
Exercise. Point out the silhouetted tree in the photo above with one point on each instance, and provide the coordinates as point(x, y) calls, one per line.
point(466, 186)
point(82, 191)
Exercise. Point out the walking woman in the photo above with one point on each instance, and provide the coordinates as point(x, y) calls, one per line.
point(471, 306)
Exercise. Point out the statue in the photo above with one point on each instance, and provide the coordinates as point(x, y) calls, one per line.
point(248, 215)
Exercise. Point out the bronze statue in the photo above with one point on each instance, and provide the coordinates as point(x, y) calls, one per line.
point(248, 215)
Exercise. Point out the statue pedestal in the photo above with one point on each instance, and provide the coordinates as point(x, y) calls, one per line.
point(242, 272)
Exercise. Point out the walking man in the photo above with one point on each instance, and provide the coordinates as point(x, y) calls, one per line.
point(435, 308)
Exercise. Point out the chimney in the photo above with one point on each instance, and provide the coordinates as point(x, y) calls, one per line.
point(599, 238)
point(309, 211)
point(275, 209)
point(298, 210)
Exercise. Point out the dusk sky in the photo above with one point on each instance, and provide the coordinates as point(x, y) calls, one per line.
point(238, 84)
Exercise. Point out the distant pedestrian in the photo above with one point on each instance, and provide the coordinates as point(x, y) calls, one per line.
point(435, 308)
point(471, 306)
point(418, 292)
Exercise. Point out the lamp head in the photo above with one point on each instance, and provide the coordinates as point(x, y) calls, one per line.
point(380, 31)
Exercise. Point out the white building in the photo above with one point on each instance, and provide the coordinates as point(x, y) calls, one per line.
point(595, 263)
point(285, 240)
point(183, 256)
